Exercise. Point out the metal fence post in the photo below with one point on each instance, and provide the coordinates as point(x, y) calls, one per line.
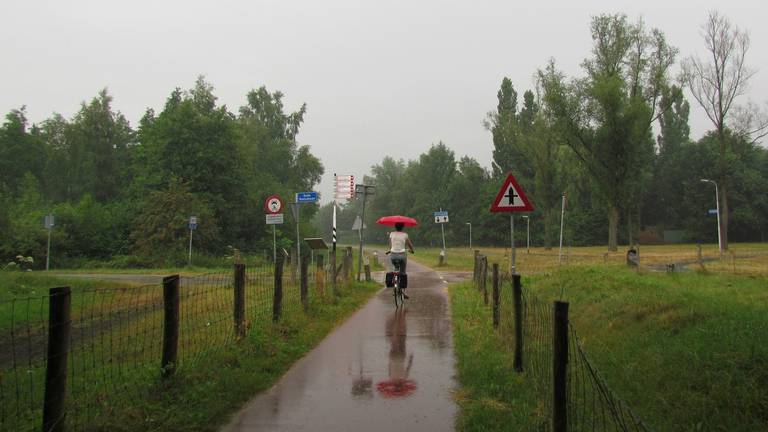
point(517, 295)
point(170, 325)
point(560, 369)
point(239, 300)
point(277, 300)
point(59, 327)
point(304, 283)
point(496, 295)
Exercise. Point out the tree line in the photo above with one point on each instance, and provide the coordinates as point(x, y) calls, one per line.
point(125, 194)
point(591, 138)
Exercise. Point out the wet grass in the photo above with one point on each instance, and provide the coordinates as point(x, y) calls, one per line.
point(217, 373)
point(742, 258)
point(203, 397)
point(687, 351)
point(491, 397)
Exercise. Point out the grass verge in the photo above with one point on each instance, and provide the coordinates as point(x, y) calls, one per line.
point(203, 398)
point(491, 397)
point(686, 351)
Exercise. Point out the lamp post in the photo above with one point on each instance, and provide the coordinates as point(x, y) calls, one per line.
point(717, 207)
point(528, 233)
point(470, 234)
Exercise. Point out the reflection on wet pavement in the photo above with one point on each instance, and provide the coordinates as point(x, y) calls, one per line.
point(384, 369)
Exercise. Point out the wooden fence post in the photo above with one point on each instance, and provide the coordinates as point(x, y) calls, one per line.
point(239, 286)
point(320, 275)
point(560, 369)
point(367, 270)
point(170, 325)
point(59, 328)
point(496, 289)
point(277, 299)
point(484, 278)
point(334, 275)
point(304, 281)
point(293, 265)
point(348, 261)
point(517, 295)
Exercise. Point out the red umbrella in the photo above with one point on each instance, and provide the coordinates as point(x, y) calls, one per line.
point(392, 220)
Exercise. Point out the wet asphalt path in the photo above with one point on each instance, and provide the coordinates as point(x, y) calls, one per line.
point(382, 370)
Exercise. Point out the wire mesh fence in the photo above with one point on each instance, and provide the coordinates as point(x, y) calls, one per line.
point(116, 340)
point(590, 404)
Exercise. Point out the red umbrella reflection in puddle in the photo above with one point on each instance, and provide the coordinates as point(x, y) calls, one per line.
point(397, 387)
point(398, 384)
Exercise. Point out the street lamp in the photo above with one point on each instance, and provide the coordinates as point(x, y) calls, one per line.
point(717, 207)
point(528, 233)
point(470, 234)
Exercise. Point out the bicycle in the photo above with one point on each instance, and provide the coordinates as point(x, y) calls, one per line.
point(396, 290)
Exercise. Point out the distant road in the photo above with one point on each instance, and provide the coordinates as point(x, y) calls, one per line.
point(134, 279)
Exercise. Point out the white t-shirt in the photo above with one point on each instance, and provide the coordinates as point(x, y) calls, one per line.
point(397, 239)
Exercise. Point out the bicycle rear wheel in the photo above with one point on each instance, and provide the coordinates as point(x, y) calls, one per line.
point(398, 296)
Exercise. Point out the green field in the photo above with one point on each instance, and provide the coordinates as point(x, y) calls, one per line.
point(746, 258)
point(115, 381)
point(686, 351)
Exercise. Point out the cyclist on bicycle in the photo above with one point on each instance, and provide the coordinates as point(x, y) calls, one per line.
point(398, 241)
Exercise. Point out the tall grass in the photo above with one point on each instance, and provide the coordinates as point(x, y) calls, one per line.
point(687, 351)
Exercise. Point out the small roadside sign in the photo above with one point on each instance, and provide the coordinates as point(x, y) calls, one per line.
point(358, 224)
point(48, 222)
point(441, 217)
point(511, 198)
point(193, 222)
point(273, 204)
point(275, 219)
point(302, 197)
point(712, 211)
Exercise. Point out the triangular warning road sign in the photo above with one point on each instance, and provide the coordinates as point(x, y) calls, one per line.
point(511, 198)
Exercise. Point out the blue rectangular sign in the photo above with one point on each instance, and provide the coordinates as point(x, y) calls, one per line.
point(441, 213)
point(306, 197)
point(713, 211)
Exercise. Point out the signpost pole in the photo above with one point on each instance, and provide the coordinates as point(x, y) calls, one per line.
point(189, 259)
point(274, 244)
point(298, 239)
point(48, 253)
point(512, 254)
point(562, 221)
point(362, 224)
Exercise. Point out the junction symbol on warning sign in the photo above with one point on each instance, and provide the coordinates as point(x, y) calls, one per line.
point(511, 198)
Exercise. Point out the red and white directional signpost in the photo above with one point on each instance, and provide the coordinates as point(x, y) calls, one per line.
point(511, 199)
point(274, 208)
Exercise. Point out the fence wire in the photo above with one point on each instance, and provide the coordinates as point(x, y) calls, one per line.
point(591, 404)
point(116, 342)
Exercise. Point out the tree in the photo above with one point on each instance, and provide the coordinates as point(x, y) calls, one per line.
point(160, 229)
point(509, 151)
point(195, 141)
point(606, 116)
point(97, 140)
point(20, 151)
point(715, 84)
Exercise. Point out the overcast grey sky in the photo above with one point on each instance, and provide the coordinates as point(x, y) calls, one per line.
point(379, 77)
